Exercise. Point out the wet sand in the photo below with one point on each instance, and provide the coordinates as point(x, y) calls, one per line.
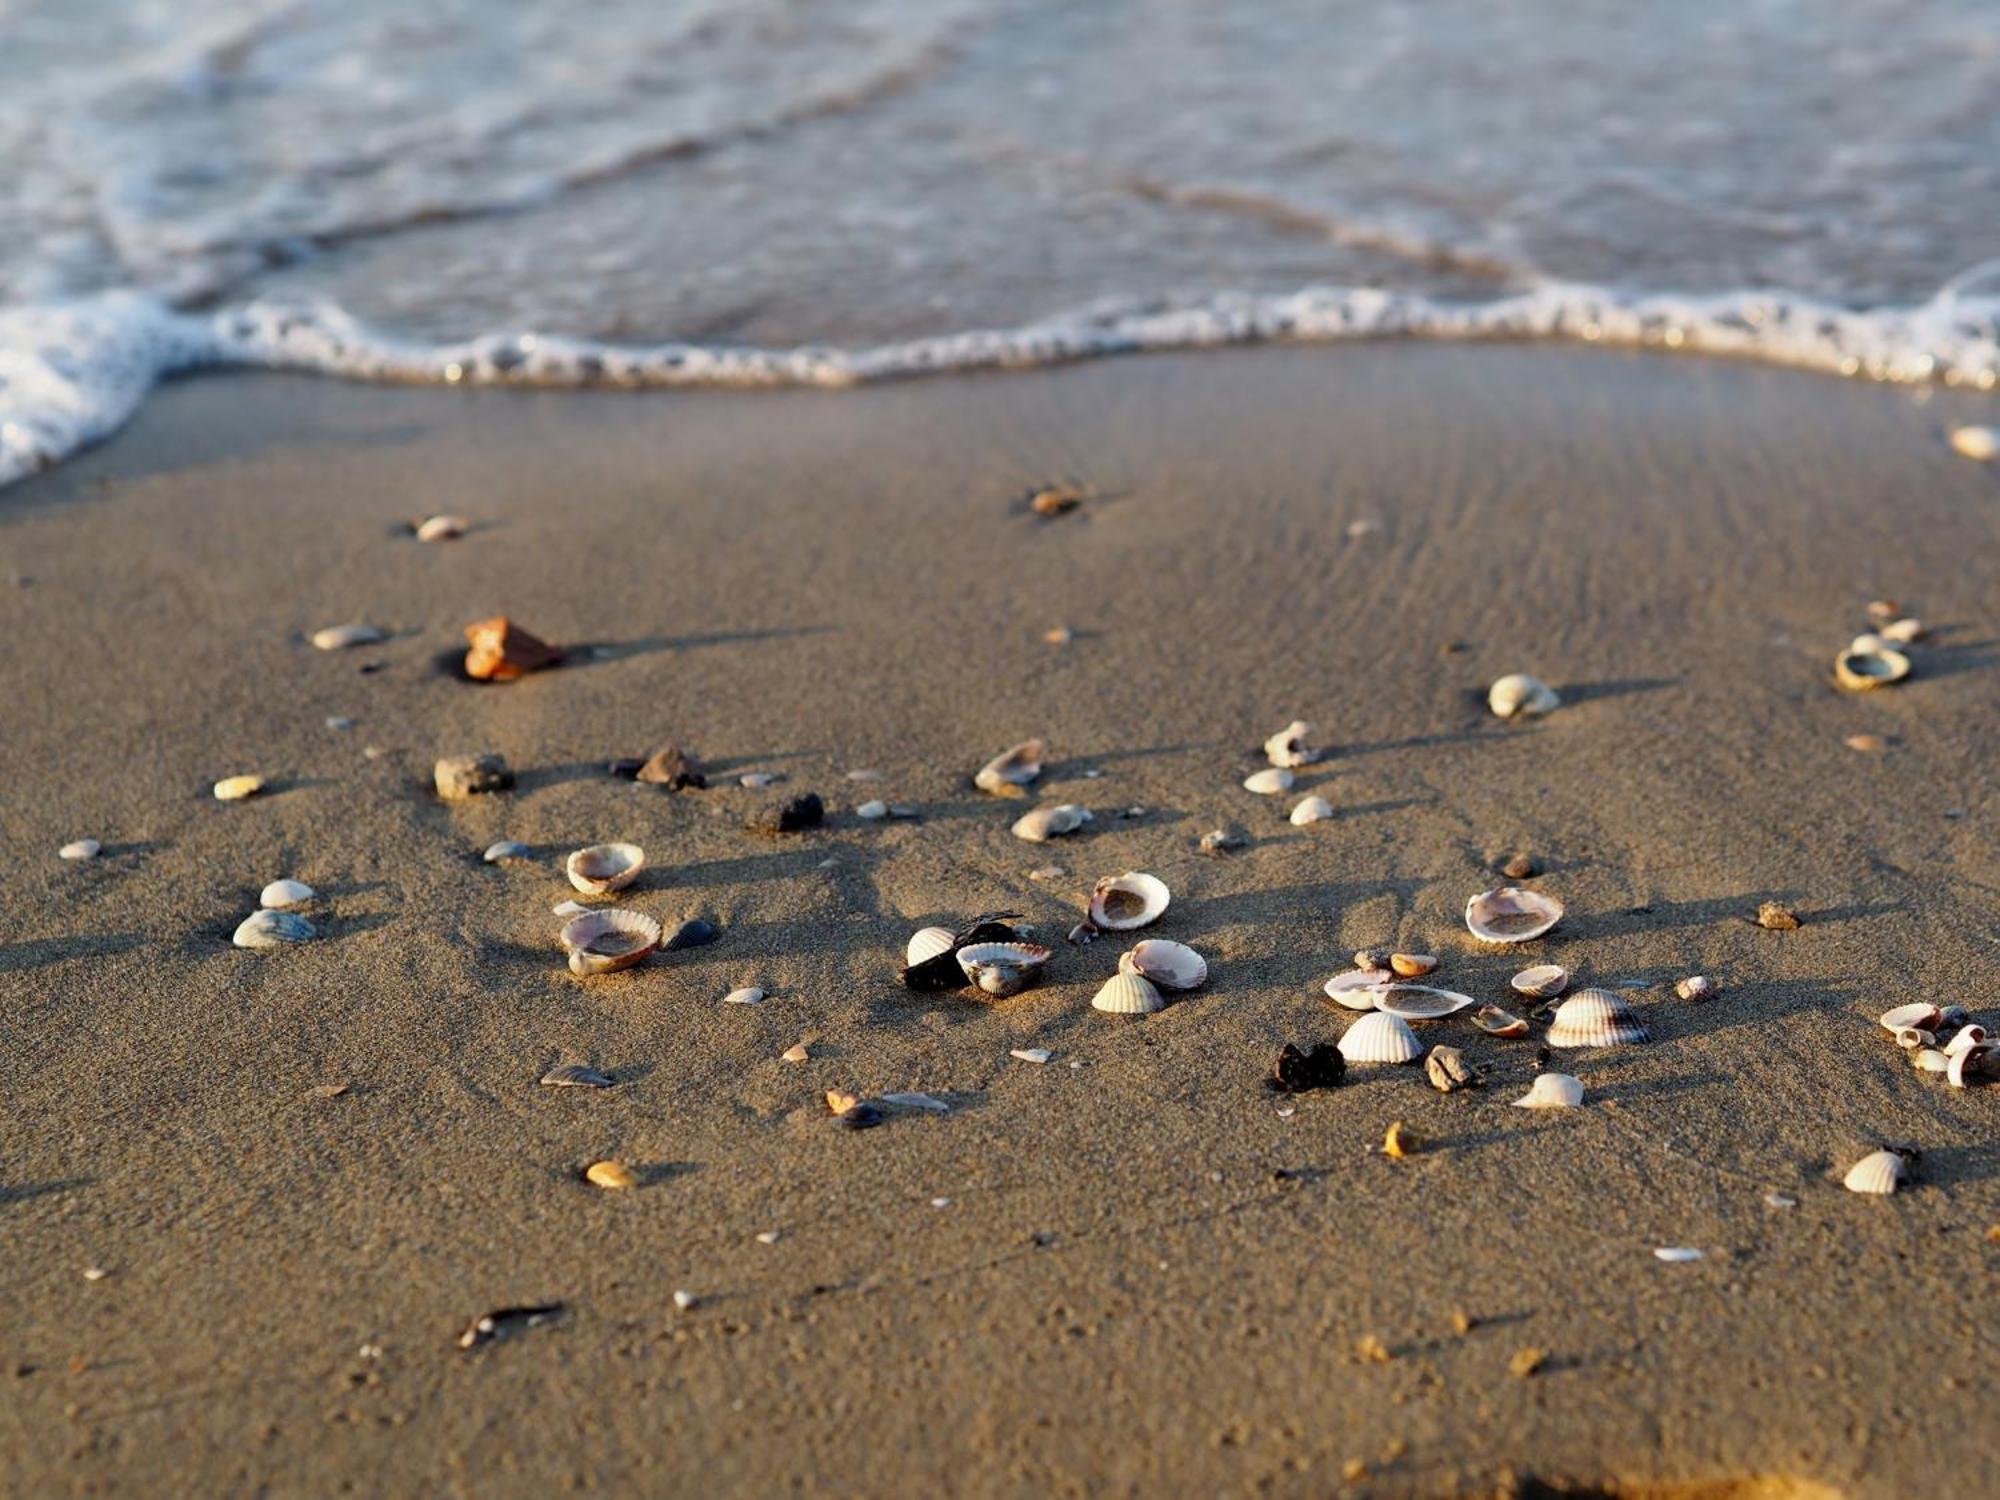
point(1127, 1271)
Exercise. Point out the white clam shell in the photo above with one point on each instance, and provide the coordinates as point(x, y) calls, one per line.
point(1288, 746)
point(1542, 982)
point(443, 528)
point(1419, 1002)
point(1902, 632)
point(748, 995)
point(1379, 1037)
point(1012, 767)
point(1930, 1060)
point(81, 849)
point(1002, 968)
point(1980, 444)
point(927, 943)
point(1511, 914)
point(1120, 903)
point(1040, 824)
point(1552, 1091)
point(1917, 1014)
point(1311, 810)
point(272, 929)
point(1269, 782)
point(1357, 988)
point(504, 850)
point(603, 868)
point(1880, 1172)
point(1170, 965)
point(283, 893)
point(1595, 1018)
point(339, 637)
point(602, 941)
point(1128, 995)
point(1519, 695)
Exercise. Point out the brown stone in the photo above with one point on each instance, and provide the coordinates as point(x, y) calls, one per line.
point(500, 651)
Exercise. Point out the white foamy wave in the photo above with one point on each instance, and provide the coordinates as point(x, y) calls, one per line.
point(70, 374)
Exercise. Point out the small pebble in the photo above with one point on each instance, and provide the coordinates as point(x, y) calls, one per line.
point(1676, 1254)
point(864, 775)
point(940, 1203)
point(1527, 1362)
point(872, 810)
point(81, 849)
point(684, 1300)
point(1062, 635)
point(458, 777)
point(1370, 1350)
point(1043, 872)
point(442, 528)
point(1521, 867)
point(1775, 916)
point(795, 1054)
point(1697, 987)
point(611, 1175)
point(283, 893)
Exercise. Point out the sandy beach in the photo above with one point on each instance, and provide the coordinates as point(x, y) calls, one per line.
point(1131, 1270)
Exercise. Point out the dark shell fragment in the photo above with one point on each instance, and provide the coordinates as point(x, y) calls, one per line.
point(692, 934)
point(941, 971)
point(1319, 1067)
point(792, 815)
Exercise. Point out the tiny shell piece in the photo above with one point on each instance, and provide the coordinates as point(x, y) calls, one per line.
point(339, 637)
point(1401, 1141)
point(236, 788)
point(1379, 1037)
point(1511, 914)
point(576, 1076)
point(1494, 1021)
point(1357, 989)
point(505, 850)
point(1012, 769)
point(1032, 1054)
point(748, 995)
point(1040, 824)
point(1980, 444)
point(1521, 696)
point(612, 1176)
point(1552, 1091)
point(1120, 903)
point(1287, 748)
point(282, 893)
point(81, 849)
point(442, 528)
point(1675, 1255)
point(1412, 965)
point(1697, 987)
point(794, 1054)
point(1170, 965)
point(604, 868)
point(1128, 995)
point(1269, 782)
point(1311, 810)
point(272, 929)
point(1880, 1172)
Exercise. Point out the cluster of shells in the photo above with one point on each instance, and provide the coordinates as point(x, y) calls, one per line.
point(1879, 656)
point(1945, 1041)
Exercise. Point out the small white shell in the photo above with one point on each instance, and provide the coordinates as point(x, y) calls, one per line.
point(1542, 982)
point(1419, 1002)
point(1903, 1017)
point(603, 868)
point(1014, 767)
point(282, 893)
point(1860, 670)
point(1379, 1037)
point(927, 943)
point(1170, 965)
point(1128, 995)
point(1032, 1054)
point(873, 810)
point(1595, 1018)
point(1269, 782)
point(1980, 444)
point(1357, 988)
point(1521, 695)
point(1040, 824)
point(1288, 746)
point(1930, 1060)
point(443, 528)
point(339, 637)
point(1510, 914)
point(748, 995)
point(1120, 903)
point(602, 941)
point(1002, 968)
point(504, 850)
point(1552, 1091)
point(1965, 1036)
point(1878, 1172)
point(81, 849)
point(272, 929)
point(236, 788)
point(1902, 632)
point(1910, 1038)
point(1311, 810)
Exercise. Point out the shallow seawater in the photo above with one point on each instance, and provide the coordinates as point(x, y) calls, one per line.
point(886, 177)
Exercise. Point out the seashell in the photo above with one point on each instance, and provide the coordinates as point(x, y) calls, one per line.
point(1519, 695)
point(1677, 1255)
point(1980, 444)
point(673, 768)
point(236, 788)
point(1379, 1037)
point(505, 850)
point(600, 942)
point(1032, 1054)
point(442, 528)
point(1269, 782)
point(1287, 748)
point(604, 868)
point(1002, 968)
point(1170, 965)
point(758, 780)
point(1449, 1072)
point(1010, 770)
point(1128, 995)
point(568, 909)
point(339, 637)
point(1858, 671)
point(1040, 824)
point(1357, 988)
point(1877, 1172)
point(611, 1175)
point(1965, 1036)
point(1930, 1060)
point(498, 650)
point(1311, 810)
point(872, 811)
point(1866, 742)
point(1412, 965)
point(940, 971)
point(272, 929)
point(1494, 1021)
point(1972, 1064)
point(1419, 1002)
point(1542, 982)
point(1318, 1067)
point(1400, 1141)
point(1595, 1018)
point(695, 932)
point(1552, 1091)
point(1883, 609)
point(927, 942)
point(457, 777)
point(796, 1053)
point(1915, 1014)
point(577, 1076)
point(1054, 499)
point(1371, 958)
point(1912, 1037)
point(928, 1102)
point(1697, 987)
point(285, 893)
point(1120, 903)
point(748, 995)
point(81, 849)
point(1511, 914)
point(1903, 632)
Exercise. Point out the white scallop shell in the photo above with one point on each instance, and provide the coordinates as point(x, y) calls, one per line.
point(1170, 965)
point(1288, 746)
point(281, 893)
point(1552, 1091)
point(1877, 1172)
point(1419, 1002)
point(601, 941)
point(1120, 903)
point(81, 849)
point(1128, 995)
point(1040, 824)
point(1923, 1017)
point(1016, 766)
point(927, 943)
point(1269, 782)
point(1542, 982)
point(272, 929)
point(1520, 694)
point(1379, 1037)
point(1311, 810)
point(1511, 914)
point(1595, 1018)
point(603, 868)
point(339, 637)
point(1980, 444)
point(1002, 968)
point(1357, 988)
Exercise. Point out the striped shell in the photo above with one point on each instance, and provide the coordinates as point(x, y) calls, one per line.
point(1128, 995)
point(1357, 988)
point(1880, 1172)
point(600, 942)
point(272, 929)
point(1511, 915)
point(604, 868)
point(1542, 982)
point(1552, 1091)
point(1170, 965)
point(927, 943)
point(1595, 1018)
point(1379, 1037)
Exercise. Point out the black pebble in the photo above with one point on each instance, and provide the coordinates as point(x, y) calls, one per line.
point(693, 933)
point(863, 1116)
point(790, 816)
point(625, 768)
point(1322, 1067)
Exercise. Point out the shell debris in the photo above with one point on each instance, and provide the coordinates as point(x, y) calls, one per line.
point(1518, 695)
point(1311, 810)
point(1013, 769)
point(340, 637)
point(613, 1176)
point(1980, 444)
point(796, 1053)
point(236, 788)
point(1552, 1091)
point(81, 849)
point(442, 528)
point(1272, 781)
point(1401, 1142)
point(1288, 749)
point(1031, 1054)
point(748, 995)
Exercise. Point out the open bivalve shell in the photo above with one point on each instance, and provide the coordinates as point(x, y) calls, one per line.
point(1918, 1015)
point(1419, 1002)
point(1170, 965)
point(1494, 1021)
point(600, 942)
point(1120, 903)
point(1128, 995)
point(1870, 662)
point(1879, 1172)
point(1002, 968)
point(939, 969)
point(604, 868)
point(927, 942)
point(1357, 989)
point(1510, 914)
point(1522, 696)
point(1965, 1037)
point(1288, 747)
point(1039, 825)
point(1595, 1018)
point(1552, 1091)
point(1012, 769)
point(1542, 982)
point(1379, 1037)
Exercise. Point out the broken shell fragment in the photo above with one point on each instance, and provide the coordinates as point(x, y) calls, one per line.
point(1379, 1037)
point(272, 929)
point(1595, 1018)
point(1012, 769)
point(604, 868)
point(1400, 1141)
point(673, 768)
point(1917, 1014)
point(1119, 903)
point(1031, 1054)
point(282, 893)
point(1371, 958)
point(1980, 444)
point(442, 528)
point(1511, 914)
point(1542, 982)
point(505, 850)
point(1287, 748)
point(1040, 824)
point(1902, 632)
point(796, 1053)
point(1494, 1021)
point(1448, 1070)
point(1311, 810)
point(612, 1176)
point(748, 995)
point(1970, 1064)
point(1697, 987)
point(1170, 965)
point(1859, 670)
point(695, 932)
point(81, 849)
point(1128, 995)
point(1419, 1002)
point(236, 788)
point(601, 942)
point(1880, 1172)
point(340, 637)
point(1357, 988)
point(498, 650)
point(1269, 782)
point(1412, 965)
point(1552, 1091)
point(1002, 968)
point(457, 777)
point(1318, 1067)
point(576, 1076)
point(927, 942)
point(1964, 1037)
point(1519, 695)
point(872, 811)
